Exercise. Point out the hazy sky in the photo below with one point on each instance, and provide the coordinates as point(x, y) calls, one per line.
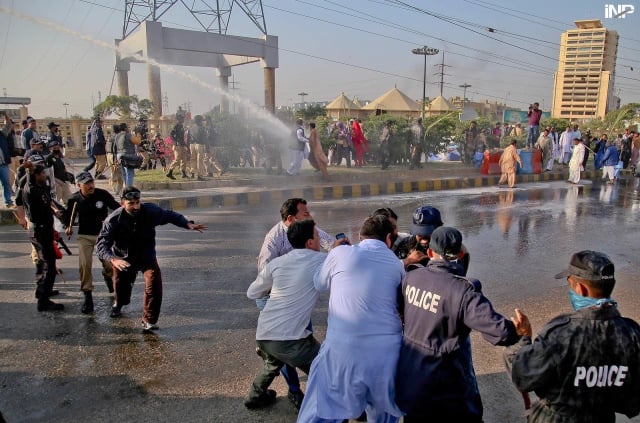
point(359, 47)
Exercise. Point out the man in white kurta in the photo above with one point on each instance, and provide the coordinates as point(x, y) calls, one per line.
point(355, 369)
point(284, 335)
point(575, 164)
point(566, 142)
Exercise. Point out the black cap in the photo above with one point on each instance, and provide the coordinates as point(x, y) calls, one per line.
point(52, 124)
point(446, 241)
point(589, 265)
point(425, 220)
point(84, 178)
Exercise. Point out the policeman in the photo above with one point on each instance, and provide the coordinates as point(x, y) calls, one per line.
point(180, 148)
point(584, 366)
point(36, 200)
point(435, 380)
point(91, 205)
point(412, 249)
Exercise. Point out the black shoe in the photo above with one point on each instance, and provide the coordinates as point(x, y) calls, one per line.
point(45, 304)
point(116, 311)
point(184, 175)
point(87, 307)
point(109, 282)
point(53, 293)
point(170, 175)
point(264, 400)
point(296, 398)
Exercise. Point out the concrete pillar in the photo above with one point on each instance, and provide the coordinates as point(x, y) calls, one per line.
point(122, 72)
point(223, 79)
point(270, 89)
point(123, 82)
point(155, 90)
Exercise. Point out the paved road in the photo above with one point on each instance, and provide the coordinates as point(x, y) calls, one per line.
point(69, 367)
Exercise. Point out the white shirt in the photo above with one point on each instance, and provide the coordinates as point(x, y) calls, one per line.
point(289, 278)
point(277, 244)
point(566, 141)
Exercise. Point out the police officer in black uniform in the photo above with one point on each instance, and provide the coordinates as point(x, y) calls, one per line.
point(35, 198)
point(584, 366)
point(425, 220)
point(435, 380)
point(91, 206)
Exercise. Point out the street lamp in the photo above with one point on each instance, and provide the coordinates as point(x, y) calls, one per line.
point(464, 96)
point(66, 110)
point(425, 51)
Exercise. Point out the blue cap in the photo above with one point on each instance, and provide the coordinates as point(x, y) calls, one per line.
point(425, 220)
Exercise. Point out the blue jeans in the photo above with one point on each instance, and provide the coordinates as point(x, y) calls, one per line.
point(128, 174)
point(6, 184)
point(289, 373)
point(92, 161)
point(532, 135)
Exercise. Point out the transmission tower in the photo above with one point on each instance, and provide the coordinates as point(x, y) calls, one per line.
point(211, 18)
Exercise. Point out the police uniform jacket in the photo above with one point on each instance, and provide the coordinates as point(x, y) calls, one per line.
point(435, 370)
point(584, 366)
point(133, 238)
point(91, 210)
point(36, 200)
point(177, 135)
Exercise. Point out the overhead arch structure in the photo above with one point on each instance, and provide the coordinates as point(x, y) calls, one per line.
point(143, 33)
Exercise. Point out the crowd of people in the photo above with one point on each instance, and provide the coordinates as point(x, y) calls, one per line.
point(401, 310)
point(405, 299)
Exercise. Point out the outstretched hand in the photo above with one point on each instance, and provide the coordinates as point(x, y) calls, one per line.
point(521, 321)
point(197, 227)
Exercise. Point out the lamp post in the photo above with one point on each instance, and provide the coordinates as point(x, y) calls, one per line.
point(66, 110)
point(425, 51)
point(464, 96)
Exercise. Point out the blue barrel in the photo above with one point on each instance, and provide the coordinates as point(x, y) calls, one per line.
point(531, 161)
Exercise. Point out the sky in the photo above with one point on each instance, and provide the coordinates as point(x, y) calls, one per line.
point(60, 51)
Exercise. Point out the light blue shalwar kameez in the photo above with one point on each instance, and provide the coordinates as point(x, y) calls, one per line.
point(356, 367)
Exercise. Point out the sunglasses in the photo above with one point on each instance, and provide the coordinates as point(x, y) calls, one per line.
point(131, 195)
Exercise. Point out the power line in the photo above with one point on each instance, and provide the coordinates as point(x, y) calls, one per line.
point(6, 37)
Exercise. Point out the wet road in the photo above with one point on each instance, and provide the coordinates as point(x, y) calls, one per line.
point(68, 367)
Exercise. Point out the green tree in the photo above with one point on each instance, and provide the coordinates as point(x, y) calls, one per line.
point(558, 123)
point(616, 120)
point(312, 112)
point(124, 106)
point(439, 131)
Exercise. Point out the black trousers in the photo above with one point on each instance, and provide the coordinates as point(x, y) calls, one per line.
point(42, 241)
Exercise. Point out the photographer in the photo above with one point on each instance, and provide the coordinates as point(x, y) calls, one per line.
point(426, 219)
point(534, 114)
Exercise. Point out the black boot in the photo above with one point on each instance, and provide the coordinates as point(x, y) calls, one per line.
point(45, 304)
point(87, 307)
point(184, 175)
point(170, 174)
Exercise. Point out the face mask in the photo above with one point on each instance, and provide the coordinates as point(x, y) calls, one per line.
point(578, 301)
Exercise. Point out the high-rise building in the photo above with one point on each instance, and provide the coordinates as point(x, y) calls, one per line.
point(583, 86)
